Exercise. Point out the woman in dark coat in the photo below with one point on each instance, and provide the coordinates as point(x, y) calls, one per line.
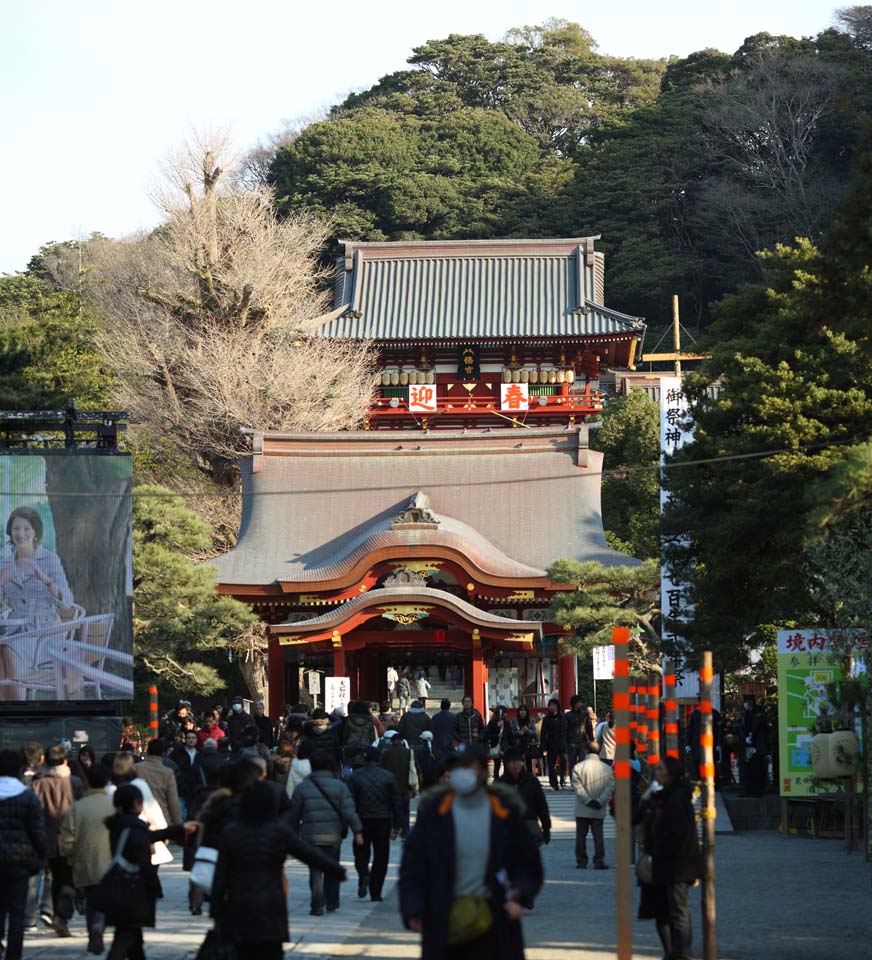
point(128, 940)
point(669, 835)
point(499, 736)
point(524, 733)
point(554, 744)
point(248, 896)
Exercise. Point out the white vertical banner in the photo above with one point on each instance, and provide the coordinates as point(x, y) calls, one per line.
point(604, 663)
point(337, 693)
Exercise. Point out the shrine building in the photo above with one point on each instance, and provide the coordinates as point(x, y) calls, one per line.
point(423, 540)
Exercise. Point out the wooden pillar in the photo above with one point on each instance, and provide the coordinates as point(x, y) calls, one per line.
point(623, 814)
point(566, 678)
point(671, 725)
point(338, 655)
point(276, 676)
point(478, 676)
point(707, 774)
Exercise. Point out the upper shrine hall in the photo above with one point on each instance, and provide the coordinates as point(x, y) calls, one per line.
point(430, 548)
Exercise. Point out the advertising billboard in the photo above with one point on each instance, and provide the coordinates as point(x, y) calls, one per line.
point(65, 576)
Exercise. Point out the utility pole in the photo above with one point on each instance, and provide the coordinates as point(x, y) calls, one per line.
point(707, 775)
point(623, 814)
point(676, 335)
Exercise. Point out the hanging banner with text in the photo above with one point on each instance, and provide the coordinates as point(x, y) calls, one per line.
point(604, 662)
point(337, 693)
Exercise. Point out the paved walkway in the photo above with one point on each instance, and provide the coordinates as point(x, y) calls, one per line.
point(779, 898)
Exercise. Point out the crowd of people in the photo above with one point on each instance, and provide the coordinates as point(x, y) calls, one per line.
point(238, 793)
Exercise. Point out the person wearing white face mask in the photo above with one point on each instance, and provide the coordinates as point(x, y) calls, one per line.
point(238, 722)
point(470, 866)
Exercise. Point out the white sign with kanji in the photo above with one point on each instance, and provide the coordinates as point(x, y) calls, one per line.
point(514, 396)
point(604, 663)
point(422, 398)
point(337, 693)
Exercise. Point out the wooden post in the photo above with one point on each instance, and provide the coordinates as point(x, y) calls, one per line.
point(152, 713)
point(707, 775)
point(676, 335)
point(639, 688)
point(623, 814)
point(653, 699)
point(671, 725)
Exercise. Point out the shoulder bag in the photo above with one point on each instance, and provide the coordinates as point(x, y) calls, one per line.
point(203, 869)
point(332, 803)
point(121, 892)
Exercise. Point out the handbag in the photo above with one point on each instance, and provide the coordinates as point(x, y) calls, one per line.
point(468, 919)
point(645, 868)
point(336, 809)
point(495, 752)
point(121, 892)
point(203, 868)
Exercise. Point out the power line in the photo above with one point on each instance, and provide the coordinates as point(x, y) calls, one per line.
point(610, 472)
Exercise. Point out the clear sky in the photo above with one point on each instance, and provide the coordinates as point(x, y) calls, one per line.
point(94, 92)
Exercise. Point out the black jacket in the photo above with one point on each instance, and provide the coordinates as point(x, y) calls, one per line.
point(237, 724)
point(188, 777)
point(247, 892)
point(468, 727)
point(412, 724)
point(426, 884)
point(670, 834)
point(533, 796)
point(441, 725)
point(397, 759)
point(554, 733)
point(577, 728)
point(322, 736)
point(376, 794)
point(265, 730)
point(496, 737)
point(23, 843)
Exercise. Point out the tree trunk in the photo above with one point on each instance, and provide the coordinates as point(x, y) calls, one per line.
point(254, 673)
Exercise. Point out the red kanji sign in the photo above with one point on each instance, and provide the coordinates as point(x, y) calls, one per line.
point(422, 398)
point(514, 396)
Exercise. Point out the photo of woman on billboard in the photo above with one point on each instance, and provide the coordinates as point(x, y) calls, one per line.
point(32, 579)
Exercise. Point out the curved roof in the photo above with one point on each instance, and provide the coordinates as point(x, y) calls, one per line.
point(407, 596)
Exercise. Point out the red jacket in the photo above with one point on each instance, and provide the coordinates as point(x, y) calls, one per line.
point(213, 731)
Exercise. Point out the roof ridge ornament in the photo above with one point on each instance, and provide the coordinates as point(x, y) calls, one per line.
point(404, 577)
point(418, 513)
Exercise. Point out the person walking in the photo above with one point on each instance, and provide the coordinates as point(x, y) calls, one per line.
point(536, 813)
point(468, 726)
point(429, 761)
point(441, 724)
point(322, 737)
point(377, 800)
point(398, 759)
point(23, 849)
point(84, 841)
point(161, 780)
point(754, 727)
point(301, 767)
point(605, 735)
point(249, 900)
point(422, 689)
point(321, 811)
point(185, 758)
point(210, 729)
point(359, 733)
point(238, 722)
point(669, 840)
point(392, 678)
point(126, 825)
point(470, 867)
point(282, 762)
point(524, 736)
point(57, 790)
point(263, 723)
point(593, 782)
point(554, 744)
point(413, 723)
point(125, 771)
point(577, 738)
point(499, 737)
point(404, 692)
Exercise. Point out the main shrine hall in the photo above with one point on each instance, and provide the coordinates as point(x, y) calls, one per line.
point(423, 540)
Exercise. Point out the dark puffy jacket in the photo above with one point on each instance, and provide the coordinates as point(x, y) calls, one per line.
point(554, 733)
point(265, 730)
point(577, 728)
point(397, 760)
point(468, 727)
point(322, 738)
point(237, 725)
point(315, 817)
point(376, 795)
point(413, 723)
point(358, 734)
point(23, 844)
point(441, 725)
point(533, 796)
point(247, 894)
point(674, 843)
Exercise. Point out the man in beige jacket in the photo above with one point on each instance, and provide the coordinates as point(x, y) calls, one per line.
point(162, 781)
point(593, 782)
point(84, 840)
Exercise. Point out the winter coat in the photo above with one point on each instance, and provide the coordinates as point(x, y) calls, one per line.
point(189, 772)
point(413, 723)
point(315, 817)
point(422, 687)
point(84, 839)
point(497, 736)
point(264, 729)
point(592, 780)
point(531, 792)
point(426, 885)
point(553, 734)
point(237, 724)
point(57, 791)
point(441, 724)
point(212, 730)
point(247, 893)
point(23, 841)
point(577, 727)
point(524, 732)
point(468, 727)
point(404, 689)
point(137, 851)
point(281, 769)
point(397, 759)
point(429, 765)
point(322, 736)
point(358, 734)
point(300, 769)
point(376, 795)
point(670, 834)
point(163, 785)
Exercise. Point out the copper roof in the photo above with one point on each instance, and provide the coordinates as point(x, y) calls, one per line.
point(512, 501)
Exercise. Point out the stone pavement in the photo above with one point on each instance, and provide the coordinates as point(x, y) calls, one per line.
point(779, 898)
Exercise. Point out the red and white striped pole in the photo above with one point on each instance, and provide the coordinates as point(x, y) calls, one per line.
point(623, 813)
point(707, 775)
point(653, 706)
point(671, 705)
point(152, 713)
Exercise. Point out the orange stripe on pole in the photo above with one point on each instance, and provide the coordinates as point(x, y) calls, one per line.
point(705, 706)
point(669, 679)
point(707, 770)
point(706, 673)
point(620, 636)
point(622, 769)
point(622, 735)
point(671, 705)
point(621, 701)
point(707, 739)
point(622, 668)
point(672, 728)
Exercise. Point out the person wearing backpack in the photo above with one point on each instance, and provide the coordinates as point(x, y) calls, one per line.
point(377, 799)
point(359, 733)
point(321, 811)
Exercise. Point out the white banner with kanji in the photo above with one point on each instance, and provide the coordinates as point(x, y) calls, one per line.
point(337, 693)
point(422, 398)
point(514, 396)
